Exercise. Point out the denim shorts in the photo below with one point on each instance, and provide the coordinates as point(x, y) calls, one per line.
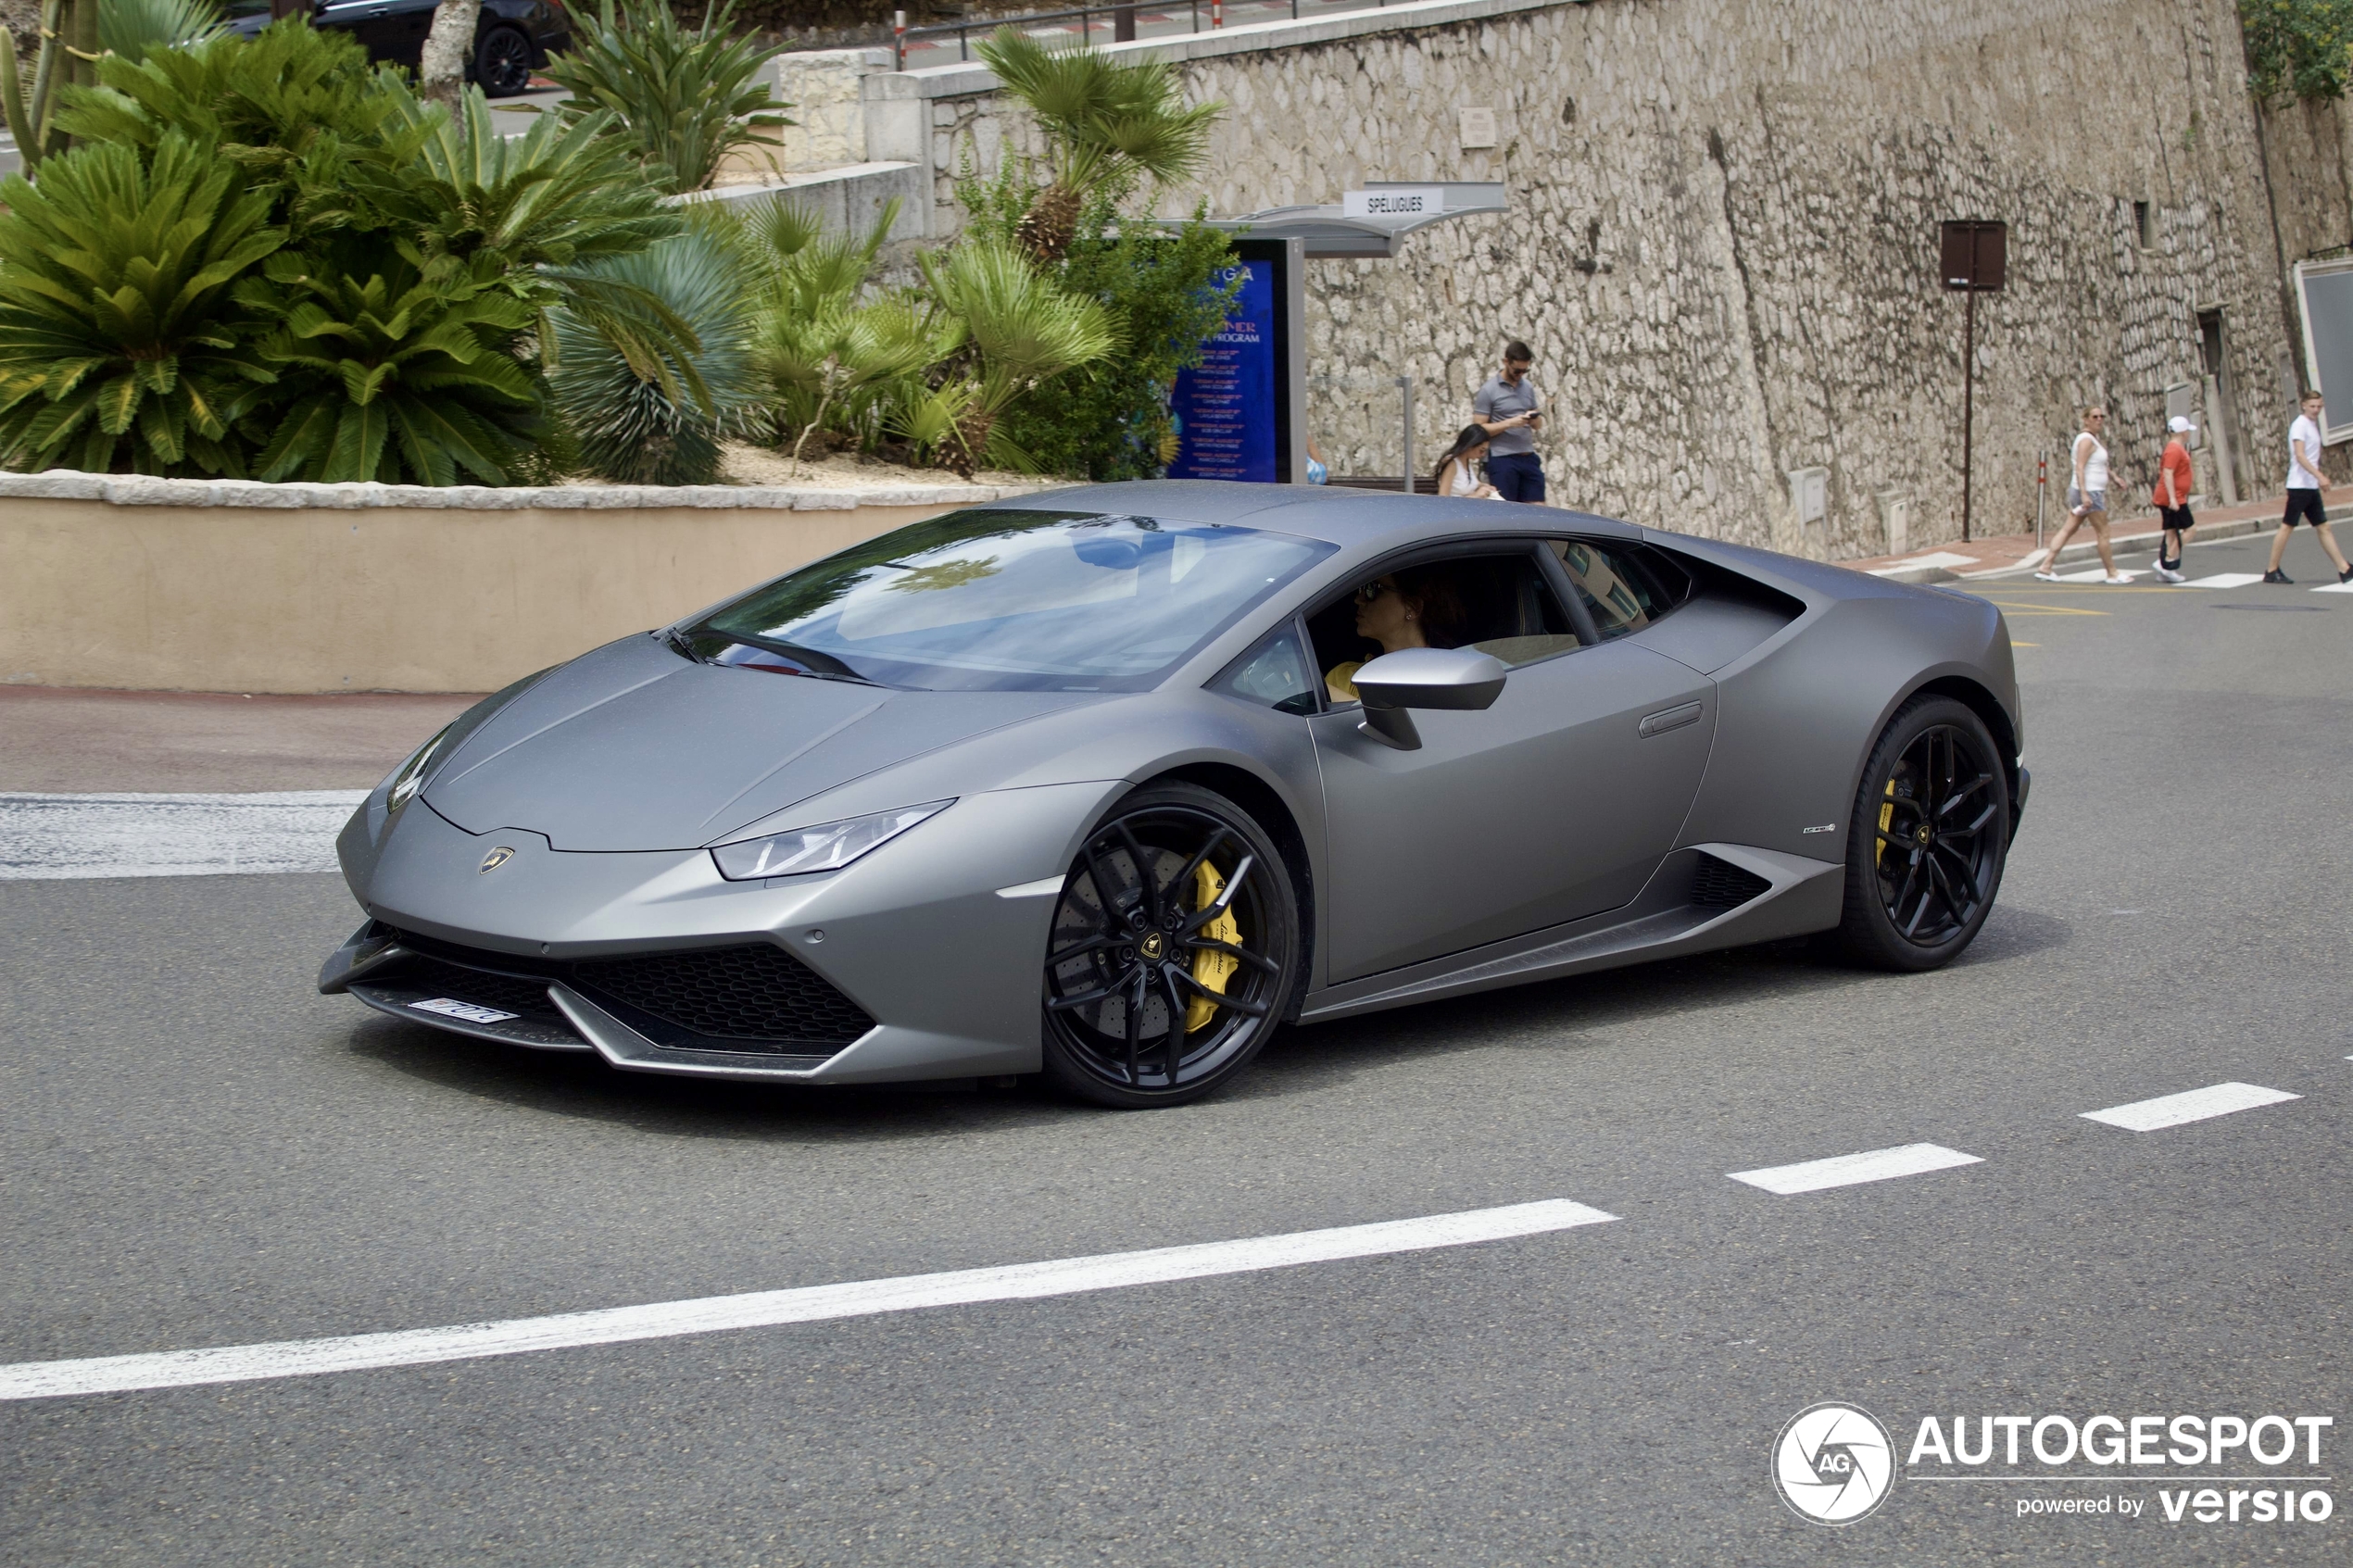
point(2095, 501)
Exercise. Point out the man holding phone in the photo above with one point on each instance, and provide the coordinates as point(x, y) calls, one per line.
point(1507, 410)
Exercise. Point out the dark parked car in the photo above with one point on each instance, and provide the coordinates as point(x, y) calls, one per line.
point(512, 39)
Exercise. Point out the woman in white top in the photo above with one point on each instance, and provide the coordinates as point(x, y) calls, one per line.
point(2086, 498)
point(1455, 475)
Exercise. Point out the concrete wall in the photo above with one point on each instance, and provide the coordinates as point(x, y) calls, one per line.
point(166, 590)
point(1723, 241)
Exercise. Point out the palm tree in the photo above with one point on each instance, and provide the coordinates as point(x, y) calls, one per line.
point(1108, 124)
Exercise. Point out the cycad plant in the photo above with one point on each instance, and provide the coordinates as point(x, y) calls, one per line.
point(395, 369)
point(637, 427)
point(131, 27)
point(1015, 329)
point(1107, 124)
point(684, 98)
point(120, 321)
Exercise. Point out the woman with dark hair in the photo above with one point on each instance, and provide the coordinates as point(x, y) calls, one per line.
point(1463, 480)
point(1402, 610)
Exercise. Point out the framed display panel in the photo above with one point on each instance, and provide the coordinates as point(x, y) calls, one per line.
point(1239, 411)
point(2324, 296)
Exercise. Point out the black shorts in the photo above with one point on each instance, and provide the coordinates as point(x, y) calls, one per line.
point(2304, 505)
point(2177, 516)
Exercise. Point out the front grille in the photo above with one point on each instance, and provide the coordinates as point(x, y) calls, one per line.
point(508, 993)
point(749, 992)
point(752, 997)
point(1720, 884)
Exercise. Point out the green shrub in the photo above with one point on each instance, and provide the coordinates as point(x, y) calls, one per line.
point(638, 428)
point(1109, 419)
point(684, 98)
point(2299, 46)
point(125, 341)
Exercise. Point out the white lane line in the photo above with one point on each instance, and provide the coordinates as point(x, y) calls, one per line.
point(1847, 1170)
point(2334, 588)
point(710, 1314)
point(50, 836)
point(2192, 1105)
point(2227, 580)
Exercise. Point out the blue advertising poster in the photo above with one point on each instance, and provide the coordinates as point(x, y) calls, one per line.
point(1225, 408)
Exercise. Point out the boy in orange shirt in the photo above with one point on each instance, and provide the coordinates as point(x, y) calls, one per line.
point(2172, 500)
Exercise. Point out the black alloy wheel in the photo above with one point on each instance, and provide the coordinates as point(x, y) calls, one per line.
point(1174, 952)
point(1929, 837)
point(502, 63)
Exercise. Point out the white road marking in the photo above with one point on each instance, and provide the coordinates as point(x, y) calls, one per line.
point(2192, 1105)
point(1037, 889)
point(47, 836)
point(2227, 580)
point(710, 1314)
point(1847, 1170)
point(2334, 588)
point(1913, 563)
point(2096, 575)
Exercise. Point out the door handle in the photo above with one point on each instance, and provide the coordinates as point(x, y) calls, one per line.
point(1667, 719)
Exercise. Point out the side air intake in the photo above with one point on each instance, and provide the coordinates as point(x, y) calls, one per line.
point(1720, 884)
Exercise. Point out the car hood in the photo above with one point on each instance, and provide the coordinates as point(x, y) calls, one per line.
point(631, 748)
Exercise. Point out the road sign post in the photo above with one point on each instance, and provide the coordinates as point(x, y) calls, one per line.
point(1973, 259)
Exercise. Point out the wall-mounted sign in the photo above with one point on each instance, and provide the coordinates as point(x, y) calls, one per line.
point(1477, 127)
point(1227, 406)
point(1394, 201)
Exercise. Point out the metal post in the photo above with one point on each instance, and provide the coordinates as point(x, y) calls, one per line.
point(1216, 13)
point(1405, 385)
point(1969, 386)
point(1123, 24)
point(1196, 6)
point(898, 37)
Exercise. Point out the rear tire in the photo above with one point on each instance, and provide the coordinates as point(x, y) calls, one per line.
point(1928, 840)
point(1175, 952)
point(502, 63)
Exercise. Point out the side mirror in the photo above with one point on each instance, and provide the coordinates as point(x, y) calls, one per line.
point(1460, 679)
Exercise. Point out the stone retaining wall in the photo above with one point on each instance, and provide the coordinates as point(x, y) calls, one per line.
point(1723, 237)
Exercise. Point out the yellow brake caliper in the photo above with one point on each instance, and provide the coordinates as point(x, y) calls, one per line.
point(1210, 969)
point(1886, 817)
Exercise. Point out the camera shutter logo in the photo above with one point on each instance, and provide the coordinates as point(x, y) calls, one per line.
point(1834, 1463)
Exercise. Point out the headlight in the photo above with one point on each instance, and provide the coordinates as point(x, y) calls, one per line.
point(412, 776)
point(827, 847)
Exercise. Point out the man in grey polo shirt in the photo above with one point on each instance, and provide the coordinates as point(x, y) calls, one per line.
point(1505, 409)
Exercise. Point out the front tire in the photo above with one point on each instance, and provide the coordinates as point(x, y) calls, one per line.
point(1173, 953)
point(1928, 841)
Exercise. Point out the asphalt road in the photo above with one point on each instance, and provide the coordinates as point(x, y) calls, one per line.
point(200, 1152)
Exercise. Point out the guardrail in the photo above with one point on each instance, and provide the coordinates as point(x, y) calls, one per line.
point(1121, 17)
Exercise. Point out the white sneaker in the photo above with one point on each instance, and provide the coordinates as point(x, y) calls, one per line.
point(2047, 575)
point(2167, 574)
point(2116, 579)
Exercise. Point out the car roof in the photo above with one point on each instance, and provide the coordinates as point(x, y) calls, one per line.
point(1338, 515)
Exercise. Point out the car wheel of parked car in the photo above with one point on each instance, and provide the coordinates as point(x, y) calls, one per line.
point(502, 63)
point(1931, 832)
point(1173, 953)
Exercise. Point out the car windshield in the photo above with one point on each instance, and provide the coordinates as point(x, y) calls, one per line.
point(1005, 600)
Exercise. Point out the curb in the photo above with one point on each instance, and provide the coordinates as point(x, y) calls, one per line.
point(2127, 543)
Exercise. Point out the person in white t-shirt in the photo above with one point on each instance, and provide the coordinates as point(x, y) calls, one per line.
point(2086, 499)
point(1457, 472)
point(2304, 483)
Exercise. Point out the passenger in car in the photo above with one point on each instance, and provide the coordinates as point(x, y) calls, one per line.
point(1402, 610)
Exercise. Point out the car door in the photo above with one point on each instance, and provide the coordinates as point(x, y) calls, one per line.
point(1556, 803)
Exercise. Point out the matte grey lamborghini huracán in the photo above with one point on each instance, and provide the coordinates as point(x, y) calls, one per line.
point(1108, 783)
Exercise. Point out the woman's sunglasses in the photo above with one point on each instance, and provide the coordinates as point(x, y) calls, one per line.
point(1370, 592)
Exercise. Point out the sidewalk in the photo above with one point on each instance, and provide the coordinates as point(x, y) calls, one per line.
point(2012, 555)
point(59, 741)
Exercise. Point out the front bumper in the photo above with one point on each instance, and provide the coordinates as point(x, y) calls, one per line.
point(910, 964)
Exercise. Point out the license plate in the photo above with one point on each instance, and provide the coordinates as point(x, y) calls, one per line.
point(472, 1013)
